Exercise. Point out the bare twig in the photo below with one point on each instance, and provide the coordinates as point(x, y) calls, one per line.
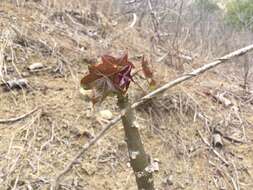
point(233, 140)
point(149, 96)
point(15, 119)
point(55, 182)
point(154, 20)
point(236, 184)
point(192, 74)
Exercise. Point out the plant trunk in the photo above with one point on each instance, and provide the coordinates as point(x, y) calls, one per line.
point(139, 160)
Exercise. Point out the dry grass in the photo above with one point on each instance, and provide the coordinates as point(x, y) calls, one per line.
point(35, 148)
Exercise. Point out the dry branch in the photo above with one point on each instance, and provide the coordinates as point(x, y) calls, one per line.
point(192, 74)
point(11, 120)
point(149, 96)
point(55, 182)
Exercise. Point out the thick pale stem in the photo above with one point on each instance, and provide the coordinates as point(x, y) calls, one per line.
point(139, 160)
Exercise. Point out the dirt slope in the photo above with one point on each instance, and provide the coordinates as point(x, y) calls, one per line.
point(35, 148)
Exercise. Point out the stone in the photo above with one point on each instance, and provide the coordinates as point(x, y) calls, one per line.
point(35, 66)
point(106, 114)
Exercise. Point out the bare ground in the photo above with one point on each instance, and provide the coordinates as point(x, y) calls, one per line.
point(35, 148)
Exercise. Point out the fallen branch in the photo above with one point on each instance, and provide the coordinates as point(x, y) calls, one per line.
point(229, 138)
point(55, 182)
point(12, 120)
point(192, 74)
point(149, 96)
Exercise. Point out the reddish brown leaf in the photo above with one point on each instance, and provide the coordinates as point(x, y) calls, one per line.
point(112, 75)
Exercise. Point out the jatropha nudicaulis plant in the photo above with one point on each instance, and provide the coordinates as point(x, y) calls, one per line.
point(112, 77)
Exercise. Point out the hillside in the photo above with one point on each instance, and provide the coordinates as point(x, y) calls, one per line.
point(56, 120)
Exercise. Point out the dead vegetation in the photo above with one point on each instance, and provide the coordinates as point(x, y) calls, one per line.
point(46, 122)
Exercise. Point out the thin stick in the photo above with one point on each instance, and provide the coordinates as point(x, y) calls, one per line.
point(193, 74)
point(55, 182)
point(12, 120)
point(149, 96)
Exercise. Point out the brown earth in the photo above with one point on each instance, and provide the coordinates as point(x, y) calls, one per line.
point(35, 148)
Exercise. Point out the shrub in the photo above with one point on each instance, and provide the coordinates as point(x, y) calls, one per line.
point(239, 13)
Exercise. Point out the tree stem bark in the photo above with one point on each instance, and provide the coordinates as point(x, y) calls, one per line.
point(139, 160)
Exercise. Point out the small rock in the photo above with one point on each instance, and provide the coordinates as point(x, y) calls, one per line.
point(114, 23)
point(163, 127)
point(35, 66)
point(89, 168)
point(8, 58)
point(167, 181)
point(157, 160)
point(155, 166)
point(217, 140)
point(106, 114)
point(222, 99)
point(82, 131)
point(136, 124)
point(89, 114)
point(25, 74)
point(122, 146)
point(86, 94)
point(16, 83)
point(79, 130)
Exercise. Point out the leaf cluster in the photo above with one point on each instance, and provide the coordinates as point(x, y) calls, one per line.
point(113, 76)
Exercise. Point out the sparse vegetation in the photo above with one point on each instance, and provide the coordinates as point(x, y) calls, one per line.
point(197, 134)
point(240, 14)
point(206, 5)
